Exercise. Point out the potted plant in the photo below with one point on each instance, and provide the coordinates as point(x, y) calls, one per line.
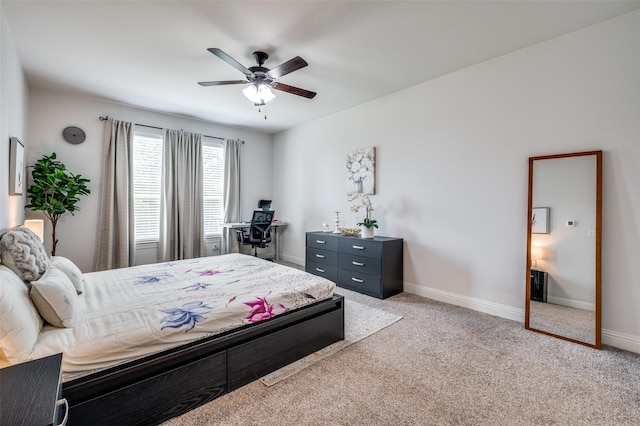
point(55, 191)
point(360, 200)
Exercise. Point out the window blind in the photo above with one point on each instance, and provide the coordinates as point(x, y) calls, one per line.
point(147, 174)
point(213, 184)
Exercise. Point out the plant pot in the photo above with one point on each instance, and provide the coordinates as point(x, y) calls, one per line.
point(367, 232)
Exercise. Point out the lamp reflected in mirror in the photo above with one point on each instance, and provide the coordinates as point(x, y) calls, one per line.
point(563, 290)
point(536, 254)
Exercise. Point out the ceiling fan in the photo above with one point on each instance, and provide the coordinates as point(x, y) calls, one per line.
point(261, 79)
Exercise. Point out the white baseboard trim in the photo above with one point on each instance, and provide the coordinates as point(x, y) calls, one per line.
point(480, 305)
point(572, 303)
point(292, 259)
point(627, 342)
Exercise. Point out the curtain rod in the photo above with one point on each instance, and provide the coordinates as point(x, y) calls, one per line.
point(106, 117)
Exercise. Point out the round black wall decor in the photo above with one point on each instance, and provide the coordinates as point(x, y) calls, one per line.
point(74, 135)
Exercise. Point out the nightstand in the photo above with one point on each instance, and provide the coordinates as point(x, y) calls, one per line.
point(539, 282)
point(29, 392)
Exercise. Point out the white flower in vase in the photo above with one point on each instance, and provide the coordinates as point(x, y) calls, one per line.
point(359, 201)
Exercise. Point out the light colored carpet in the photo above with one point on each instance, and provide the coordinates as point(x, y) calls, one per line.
point(360, 321)
point(443, 365)
point(574, 323)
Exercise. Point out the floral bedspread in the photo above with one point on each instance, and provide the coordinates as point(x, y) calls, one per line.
point(127, 313)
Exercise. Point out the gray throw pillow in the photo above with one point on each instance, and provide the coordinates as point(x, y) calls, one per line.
point(24, 254)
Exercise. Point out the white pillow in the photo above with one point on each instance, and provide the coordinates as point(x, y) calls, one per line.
point(54, 297)
point(20, 323)
point(24, 254)
point(71, 270)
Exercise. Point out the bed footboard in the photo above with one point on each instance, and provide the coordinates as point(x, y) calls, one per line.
point(159, 387)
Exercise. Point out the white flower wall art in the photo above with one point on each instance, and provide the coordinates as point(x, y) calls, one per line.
point(361, 173)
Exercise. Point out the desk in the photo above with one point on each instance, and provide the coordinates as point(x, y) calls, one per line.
point(230, 230)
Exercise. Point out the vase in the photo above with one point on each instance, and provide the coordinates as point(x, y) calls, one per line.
point(367, 232)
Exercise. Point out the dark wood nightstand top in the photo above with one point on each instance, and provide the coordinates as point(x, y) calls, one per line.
point(29, 391)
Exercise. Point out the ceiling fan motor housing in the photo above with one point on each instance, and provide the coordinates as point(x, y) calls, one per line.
point(260, 57)
point(260, 73)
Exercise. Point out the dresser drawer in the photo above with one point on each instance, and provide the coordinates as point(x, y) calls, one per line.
point(366, 265)
point(322, 241)
point(360, 282)
point(360, 247)
point(329, 272)
point(325, 257)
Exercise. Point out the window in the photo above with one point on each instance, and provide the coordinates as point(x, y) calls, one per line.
point(147, 175)
point(213, 185)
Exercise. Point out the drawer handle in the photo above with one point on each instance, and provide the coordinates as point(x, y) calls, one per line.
point(358, 247)
point(320, 256)
point(358, 263)
point(321, 242)
point(320, 270)
point(358, 280)
point(64, 403)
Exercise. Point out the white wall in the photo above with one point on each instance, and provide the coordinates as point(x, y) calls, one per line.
point(452, 169)
point(51, 112)
point(13, 116)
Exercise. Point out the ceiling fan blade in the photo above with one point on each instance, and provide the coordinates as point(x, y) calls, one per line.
point(294, 90)
point(228, 59)
point(221, 83)
point(288, 67)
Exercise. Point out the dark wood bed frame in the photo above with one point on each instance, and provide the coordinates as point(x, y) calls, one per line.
point(159, 387)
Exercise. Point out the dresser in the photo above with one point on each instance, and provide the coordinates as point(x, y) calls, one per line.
point(369, 266)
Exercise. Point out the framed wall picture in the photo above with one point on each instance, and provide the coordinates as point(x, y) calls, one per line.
point(361, 171)
point(16, 167)
point(540, 220)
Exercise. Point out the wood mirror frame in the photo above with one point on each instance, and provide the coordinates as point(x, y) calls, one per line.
point(596, 342)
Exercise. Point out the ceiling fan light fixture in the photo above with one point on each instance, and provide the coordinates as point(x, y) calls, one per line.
point(259, 94)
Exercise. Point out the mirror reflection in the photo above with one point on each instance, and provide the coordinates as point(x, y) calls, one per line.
point(563, 289)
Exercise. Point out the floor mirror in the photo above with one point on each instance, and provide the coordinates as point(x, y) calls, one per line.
point(564, 247)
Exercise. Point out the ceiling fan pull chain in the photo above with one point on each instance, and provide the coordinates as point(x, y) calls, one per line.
point(265, 110)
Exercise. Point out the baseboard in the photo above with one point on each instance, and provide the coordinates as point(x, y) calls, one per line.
point(571, 303)
point(479, 305)
point(293, 259)
point(627, 342)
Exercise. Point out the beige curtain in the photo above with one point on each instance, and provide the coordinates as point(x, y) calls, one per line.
point(231, 196)
point(116, 236)
point(232, 181)
point(181, 204)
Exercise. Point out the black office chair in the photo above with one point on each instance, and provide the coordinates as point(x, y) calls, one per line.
point(259, 231)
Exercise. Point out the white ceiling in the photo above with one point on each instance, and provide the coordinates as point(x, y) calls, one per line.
point(151, 54)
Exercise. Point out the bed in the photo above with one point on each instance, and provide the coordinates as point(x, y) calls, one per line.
point(180, 334)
